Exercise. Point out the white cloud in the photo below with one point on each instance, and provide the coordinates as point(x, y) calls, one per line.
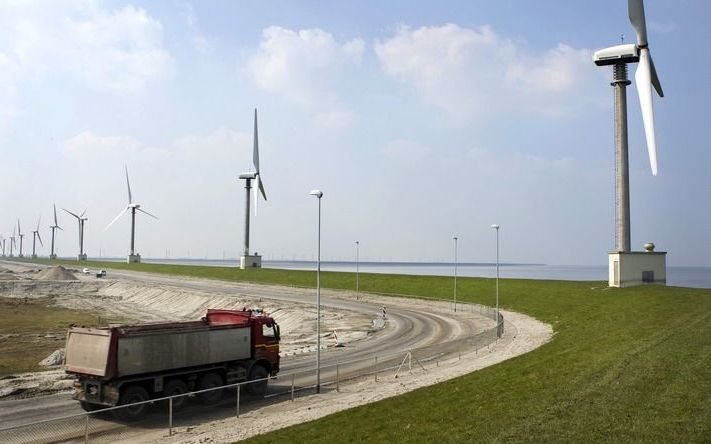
point(198, 40)
point(303, 66)
point(119, 50)
point(473, 72)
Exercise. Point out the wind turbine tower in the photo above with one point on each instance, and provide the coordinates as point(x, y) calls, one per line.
point(255, 260)
point(133, 257)
point(12, 243)
point(52, 254)
point(627, 267)
point(81, 220)
point(35, 236)
point(3, 245)
point(20, 235)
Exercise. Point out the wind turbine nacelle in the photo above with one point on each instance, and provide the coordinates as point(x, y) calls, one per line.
point(616, 54)
point(136, 206)
point(248, 176)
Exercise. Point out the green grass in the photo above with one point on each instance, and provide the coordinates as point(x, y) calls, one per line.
point(624, 365)
point(24, 330)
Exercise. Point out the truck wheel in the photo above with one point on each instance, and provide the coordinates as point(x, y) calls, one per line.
point(176, 387)
point(89, 407)
point(131, 395)
point(208, 381)
point(258, 388)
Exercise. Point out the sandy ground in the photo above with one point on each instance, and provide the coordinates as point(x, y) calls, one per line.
point(522, 335)
point(122, 301)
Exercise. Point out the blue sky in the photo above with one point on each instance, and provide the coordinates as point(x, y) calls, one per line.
point(418, 121)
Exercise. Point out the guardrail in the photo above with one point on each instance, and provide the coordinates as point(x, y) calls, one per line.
point(170, 412)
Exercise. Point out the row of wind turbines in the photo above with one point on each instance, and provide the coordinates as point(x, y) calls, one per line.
point(246, 260)
point(8, 249)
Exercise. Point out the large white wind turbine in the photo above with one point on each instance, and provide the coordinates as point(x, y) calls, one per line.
point(254, 260)
point(645, 78)
point(133, 257)
point(81, 220)
point(52, 254)
point(35, 236)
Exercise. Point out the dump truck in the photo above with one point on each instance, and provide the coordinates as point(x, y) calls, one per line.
point(128, 364)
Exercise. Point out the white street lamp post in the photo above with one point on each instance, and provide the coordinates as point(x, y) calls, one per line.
point(357, 261)
point(455, 272)
point(319, 195)
point(496, 227)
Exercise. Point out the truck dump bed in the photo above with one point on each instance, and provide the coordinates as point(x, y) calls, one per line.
point(127, 350)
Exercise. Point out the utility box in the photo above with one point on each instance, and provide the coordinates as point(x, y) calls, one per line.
point(250, 261)
point(630, 268)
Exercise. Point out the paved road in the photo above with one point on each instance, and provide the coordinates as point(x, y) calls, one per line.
point(433, 331)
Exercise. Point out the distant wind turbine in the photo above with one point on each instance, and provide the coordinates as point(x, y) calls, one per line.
point(133, 257)
point(12, 242)
point(20, 235)
point(35, 236)
point(81, 220)
point(54, 227)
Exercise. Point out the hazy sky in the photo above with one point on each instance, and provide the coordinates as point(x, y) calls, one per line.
point(418, 120)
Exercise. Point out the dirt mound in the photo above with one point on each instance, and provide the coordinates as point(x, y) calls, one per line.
point(56, 358)
point(57, 273)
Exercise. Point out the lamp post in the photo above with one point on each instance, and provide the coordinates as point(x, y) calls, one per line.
point(319, 195)
point(357, 261)
point(496, 227)
point(455, 272)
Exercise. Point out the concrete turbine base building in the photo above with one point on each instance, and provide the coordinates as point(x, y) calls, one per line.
point(630, 268)
point(250, 261)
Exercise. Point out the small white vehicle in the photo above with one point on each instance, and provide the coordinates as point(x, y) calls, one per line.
point(86, 271)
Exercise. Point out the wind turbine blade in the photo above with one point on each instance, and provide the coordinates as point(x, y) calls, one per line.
point(255, 153)
point(83, 213)
point(636, 13)
point(71, 213)
point(40, 238)
point(261, 187)
point(144, 211)
point(655, 80)
point(38, 222)
point(59, 227)
point(116, 218)
point(128, 185)
point(19, 231)
point(55, 215)
point(644, 89)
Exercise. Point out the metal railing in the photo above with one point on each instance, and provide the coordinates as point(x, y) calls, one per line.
point(163, 418)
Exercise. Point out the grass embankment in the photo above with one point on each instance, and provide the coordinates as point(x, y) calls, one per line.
point(31, 330)
point(625, 365)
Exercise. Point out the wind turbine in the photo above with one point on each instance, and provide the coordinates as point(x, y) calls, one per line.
point(2, 242)
point(254, 260)
point(54, 227)
point(133, 257)
point(627, 267)
point(35, 236)
point(12, 242)
point(20, 235)
point(81, 220)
